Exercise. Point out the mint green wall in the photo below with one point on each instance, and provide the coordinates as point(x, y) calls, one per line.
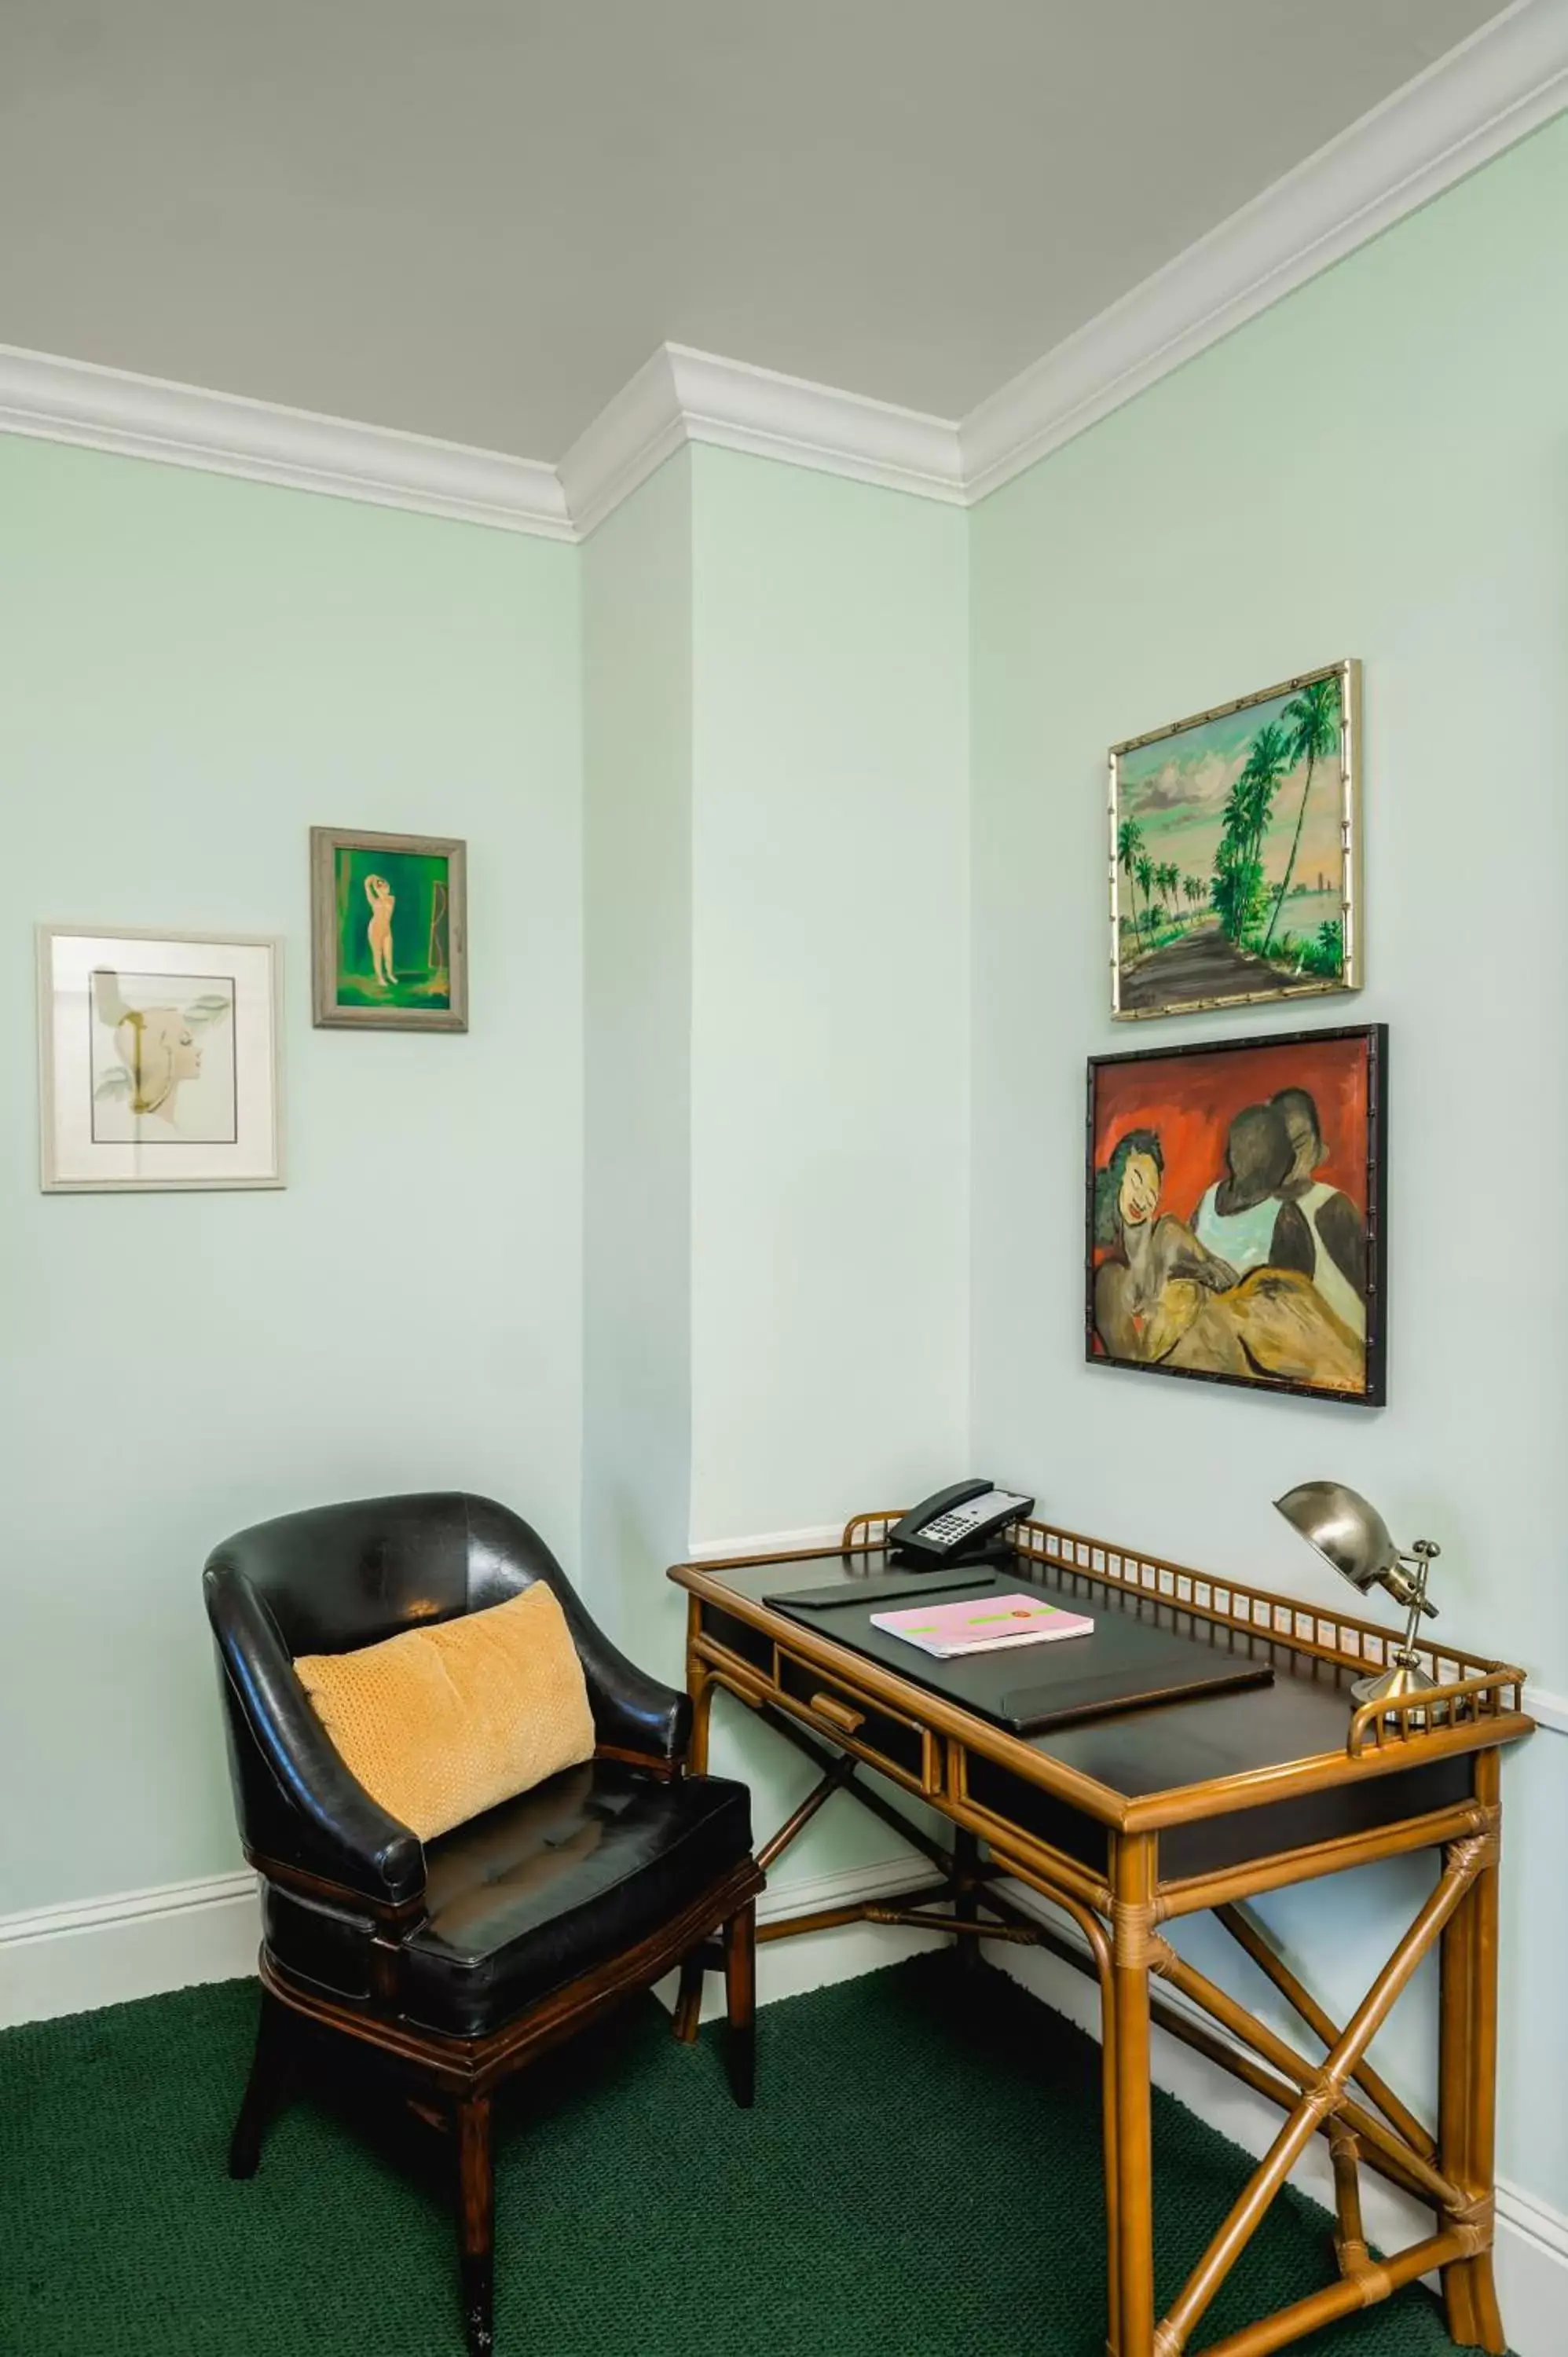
point(1379, 466)
point(192, 671)
point(637, 742)
point(738, 916)
point(775, 737)
point(831, 1031)
point(702, 1010)
point(830, 1011)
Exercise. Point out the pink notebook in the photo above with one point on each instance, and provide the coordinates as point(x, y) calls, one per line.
point(983, 1624)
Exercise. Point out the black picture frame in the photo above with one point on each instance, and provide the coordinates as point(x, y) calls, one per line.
point(1254, 1312)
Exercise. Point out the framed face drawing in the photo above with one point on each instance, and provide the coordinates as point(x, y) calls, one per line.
point(1235, 855)
point(1236, 1217)
point(389, 932)
point(158, 1061)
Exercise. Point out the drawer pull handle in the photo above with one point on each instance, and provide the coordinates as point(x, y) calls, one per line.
point(837, 1714)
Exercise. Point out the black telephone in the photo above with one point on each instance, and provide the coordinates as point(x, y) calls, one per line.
point(958, 1524)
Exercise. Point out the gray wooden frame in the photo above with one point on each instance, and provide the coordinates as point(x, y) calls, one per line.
point(326, 1014)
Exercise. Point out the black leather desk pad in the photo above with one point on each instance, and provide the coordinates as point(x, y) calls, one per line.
point(885, 1587)
point(1126, 1662)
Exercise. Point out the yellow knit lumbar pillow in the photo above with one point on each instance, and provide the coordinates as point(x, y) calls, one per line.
point(441, 1723)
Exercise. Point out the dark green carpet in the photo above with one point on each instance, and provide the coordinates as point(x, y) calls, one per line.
point(920, 2179)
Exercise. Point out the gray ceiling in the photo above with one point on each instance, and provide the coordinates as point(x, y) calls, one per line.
point(475, 217)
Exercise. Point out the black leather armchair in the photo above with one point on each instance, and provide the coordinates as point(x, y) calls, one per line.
point(459, 1960)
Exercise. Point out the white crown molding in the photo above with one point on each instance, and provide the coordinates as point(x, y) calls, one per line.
point(97, 408)
point(681, 395)
point(769, 415)
point(632, 435)
point(1503, 82)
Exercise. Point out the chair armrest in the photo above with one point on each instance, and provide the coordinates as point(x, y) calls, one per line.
point(297, 1801)
point(633, 1713)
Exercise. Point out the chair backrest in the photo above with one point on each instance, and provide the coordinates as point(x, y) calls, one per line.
point(336, 1576)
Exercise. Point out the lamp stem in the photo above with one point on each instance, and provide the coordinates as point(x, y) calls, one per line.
point(1408, 1654)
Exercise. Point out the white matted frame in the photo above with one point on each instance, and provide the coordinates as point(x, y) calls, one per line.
point(158, 1060)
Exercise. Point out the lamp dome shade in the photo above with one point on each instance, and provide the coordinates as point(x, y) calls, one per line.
point(1345, 1528)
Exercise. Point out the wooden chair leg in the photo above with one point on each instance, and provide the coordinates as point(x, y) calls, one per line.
point(740, 2002)
point(477, 2222)
point(264, 2090)
point(689, 2000)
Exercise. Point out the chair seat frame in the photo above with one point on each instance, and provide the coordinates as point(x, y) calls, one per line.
point(450, 2083)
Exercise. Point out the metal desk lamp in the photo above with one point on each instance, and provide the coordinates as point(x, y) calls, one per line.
point(1352, 1535)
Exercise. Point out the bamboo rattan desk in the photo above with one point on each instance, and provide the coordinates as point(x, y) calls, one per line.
point(1127, 1821)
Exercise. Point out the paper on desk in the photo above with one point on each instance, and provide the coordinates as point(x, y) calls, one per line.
point(987, 1625)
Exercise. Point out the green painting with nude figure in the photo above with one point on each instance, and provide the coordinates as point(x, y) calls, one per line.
point(1236, 1213)
point(393, 928)
point(389, 932)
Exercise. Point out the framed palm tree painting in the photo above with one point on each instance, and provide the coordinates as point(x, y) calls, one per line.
point(1235, 852)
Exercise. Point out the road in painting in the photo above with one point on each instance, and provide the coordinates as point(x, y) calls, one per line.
point(1228, 851)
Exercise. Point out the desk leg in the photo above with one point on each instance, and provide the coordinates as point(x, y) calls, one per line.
point(700, 1686)
point(1468, 2085)
point(1133, 2227)
point(966, 1894)
point(1112, 2175)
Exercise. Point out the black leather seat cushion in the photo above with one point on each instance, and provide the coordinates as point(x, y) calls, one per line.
point(540, 1890)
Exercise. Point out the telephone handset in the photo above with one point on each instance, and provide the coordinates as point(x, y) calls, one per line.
point(956, 1525)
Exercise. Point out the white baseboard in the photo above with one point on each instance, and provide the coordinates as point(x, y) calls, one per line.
point(1547, 1709)
point(1532, 2253)
point(72, 1959)
point(817, 1959)
point(761, 1542)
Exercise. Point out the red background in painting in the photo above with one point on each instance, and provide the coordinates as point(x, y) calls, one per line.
point(1190, 1100)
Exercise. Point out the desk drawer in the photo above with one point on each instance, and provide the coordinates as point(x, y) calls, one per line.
point(1004, 1805)
point(908, 1752)
point(738, 1638)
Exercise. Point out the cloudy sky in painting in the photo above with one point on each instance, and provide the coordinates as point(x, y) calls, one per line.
point(1175, 788)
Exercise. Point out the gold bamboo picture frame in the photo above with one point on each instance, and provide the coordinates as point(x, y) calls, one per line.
point(1235, 855)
